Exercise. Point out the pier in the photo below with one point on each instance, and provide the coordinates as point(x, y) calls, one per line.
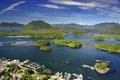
point(34, 66)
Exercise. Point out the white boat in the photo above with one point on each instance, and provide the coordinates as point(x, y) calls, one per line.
point(79, 77)
point(87, 66)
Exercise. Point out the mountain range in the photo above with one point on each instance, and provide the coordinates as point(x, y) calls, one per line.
point(10, 26)
point(37, 25)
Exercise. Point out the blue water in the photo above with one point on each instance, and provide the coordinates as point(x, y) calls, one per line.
point(56, 59)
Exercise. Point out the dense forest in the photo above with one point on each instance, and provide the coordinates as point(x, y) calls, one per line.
point(114, 48)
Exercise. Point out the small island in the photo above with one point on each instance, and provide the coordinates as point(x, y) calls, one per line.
point(45, 48)
point(111, 48)
point(101, 67)
point(43, 45)
point(99, 38)
point(69, 43)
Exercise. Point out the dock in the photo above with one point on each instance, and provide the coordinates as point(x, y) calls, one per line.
point(34, 66)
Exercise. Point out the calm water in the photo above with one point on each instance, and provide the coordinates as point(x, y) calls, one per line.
point(56, 59)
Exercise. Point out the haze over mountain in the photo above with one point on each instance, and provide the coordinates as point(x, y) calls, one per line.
point(70, 25)
point(10, 26)
point(106, 25)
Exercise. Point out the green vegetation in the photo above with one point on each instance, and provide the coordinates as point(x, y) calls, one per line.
point(109, 47)
point(82, 34)
point(117, 38)
point(45, 48)
point(95, 36)
point(101, 67)
point(28, 75)
point(43, 44)
point(69, 43)
point(47, 71)
point(37, 25)
point(113, 31)
point(99, 38)
point(10, 71)
point(13, 68)
point(52, 34)
point(75, 31)
point(40, 43)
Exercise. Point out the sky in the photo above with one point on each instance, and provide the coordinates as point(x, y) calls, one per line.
point(60, 11)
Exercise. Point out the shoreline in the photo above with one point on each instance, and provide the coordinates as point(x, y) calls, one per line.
point(102, 71)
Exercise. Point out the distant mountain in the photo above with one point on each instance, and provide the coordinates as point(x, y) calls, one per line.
point(70, 25)
point(10, 26)
point(37, 25)
point(103, 26)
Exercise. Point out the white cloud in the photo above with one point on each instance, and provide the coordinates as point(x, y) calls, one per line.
point(84, 23)
point(36, 14)
point(110, 1)
point(74, 3)
point(52, 6)
point(117, 15)
point(11, 7)
point(112, 12)
point(115, 9)
point(81, 5)
point(84, 8)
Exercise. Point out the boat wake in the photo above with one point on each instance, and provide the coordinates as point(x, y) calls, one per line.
point(92, 78)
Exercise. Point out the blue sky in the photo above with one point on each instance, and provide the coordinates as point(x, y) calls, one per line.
point(60, 11)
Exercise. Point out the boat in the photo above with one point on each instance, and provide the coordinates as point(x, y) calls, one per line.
point(67, 62)
point(78, 77)
point(87, 66)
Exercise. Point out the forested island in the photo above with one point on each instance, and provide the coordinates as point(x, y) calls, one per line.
point(43, 45)
point(102, 67)
point(69, 43)
point(111, 48)
point(99, 38)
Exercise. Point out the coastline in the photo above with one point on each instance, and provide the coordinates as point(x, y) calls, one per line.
point(101, 71)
